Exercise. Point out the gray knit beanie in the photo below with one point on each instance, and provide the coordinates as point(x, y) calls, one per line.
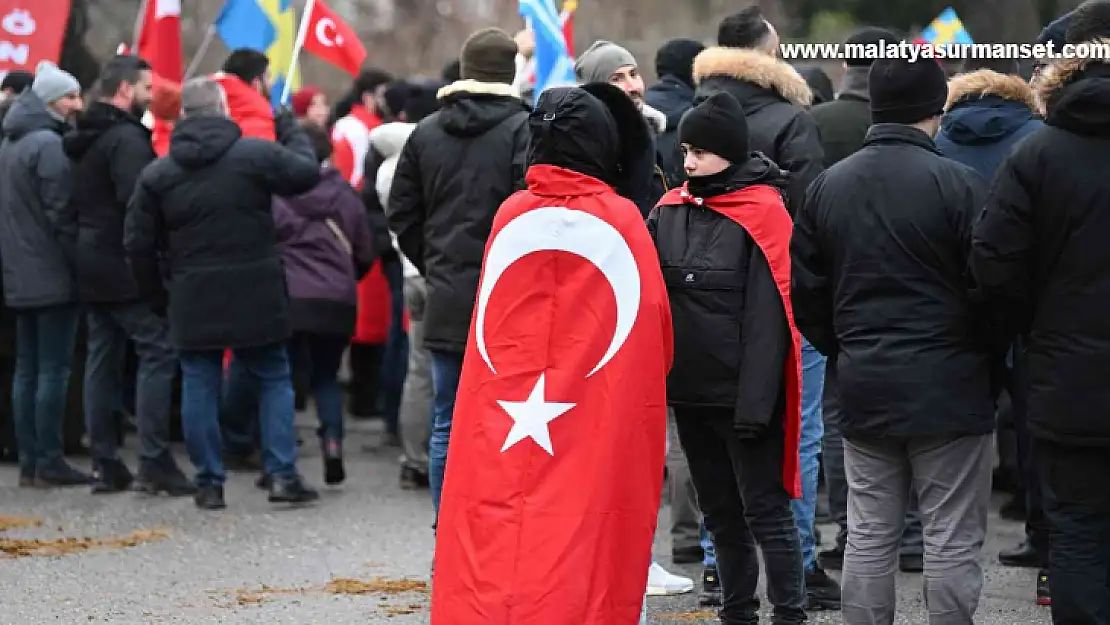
point(53, 84)
point(602, 60)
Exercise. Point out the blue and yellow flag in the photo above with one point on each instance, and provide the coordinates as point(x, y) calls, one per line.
point(946, 29)
point(269, 26)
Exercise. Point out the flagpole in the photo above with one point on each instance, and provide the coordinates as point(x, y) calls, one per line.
point(302, 34)
point(140, 21)
point(201, 52)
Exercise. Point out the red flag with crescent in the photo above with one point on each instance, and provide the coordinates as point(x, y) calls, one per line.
point(759, 210)
point(333, 40)
point(555, 465)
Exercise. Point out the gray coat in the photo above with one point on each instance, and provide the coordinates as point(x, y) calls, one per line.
point(37, 230)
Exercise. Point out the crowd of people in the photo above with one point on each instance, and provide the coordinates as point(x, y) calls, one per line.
point(862, 286)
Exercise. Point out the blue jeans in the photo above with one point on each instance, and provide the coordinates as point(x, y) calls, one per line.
point(809, 448)
point(396, 355)
point(325, 354)
point(710, 557)
point(268, 368)
point(446, 368)
point(109, 327)
point(239, 411)
point(43, 361)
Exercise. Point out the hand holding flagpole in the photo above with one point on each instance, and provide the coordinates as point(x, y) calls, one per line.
point(302, 33)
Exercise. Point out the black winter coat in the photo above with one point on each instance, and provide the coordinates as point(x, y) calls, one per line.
point(878, 258)
point(109, 150)
point(1040, 256)
point(731, 337)
point(671, 97)
point(843, 122)
point(458, 166)
point(774, 97)
point(206, 208)
point(38, 230)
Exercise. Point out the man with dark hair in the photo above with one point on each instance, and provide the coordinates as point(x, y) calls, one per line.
point(748, 29)
point(252, 67)
point(109, 149)
point(1089, 22)
point(673, 95)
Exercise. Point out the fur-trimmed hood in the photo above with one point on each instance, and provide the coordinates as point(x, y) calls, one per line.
point(471, 108)
point(1075, 94)
point(655, 118)
point(985, 82)
point(756, 68)
point(986, 108)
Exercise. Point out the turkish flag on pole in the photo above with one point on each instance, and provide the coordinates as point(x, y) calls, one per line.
point(160, 39)
point(333, 40)
point(31, 32)
point(555, 467)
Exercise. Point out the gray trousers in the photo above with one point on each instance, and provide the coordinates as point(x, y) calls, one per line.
point(685, 515)
point(109, 327)
point(951, 477)
point(832, 457)
point(415, 419)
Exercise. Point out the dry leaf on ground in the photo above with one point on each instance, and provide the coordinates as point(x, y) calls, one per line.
point(21, 548)
point(17, 522)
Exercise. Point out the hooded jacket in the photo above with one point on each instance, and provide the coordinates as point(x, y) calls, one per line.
point(1040, 257)
point(326, 248)
point(109, 149)
point(773, 96)
point(38, 230)
point(457, 167)
point(987, 113)
point(247, 107)
point(879, 254)
point(206, 209)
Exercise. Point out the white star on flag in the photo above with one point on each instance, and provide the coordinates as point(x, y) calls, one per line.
point(530, 418)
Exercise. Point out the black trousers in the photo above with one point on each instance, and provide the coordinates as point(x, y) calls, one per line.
point(1036, 526)
point(739, 487)
point(1077, 505)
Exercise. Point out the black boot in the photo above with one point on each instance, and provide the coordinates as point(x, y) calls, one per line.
point(710, 588)
point(291, 490)
point(210, 497)
point(334, 472)
point(163, 476)
point(832, 559)
point(59, 473)
point(111, 476)
point(823, 593)
point(412, 479)
point(1044, 597)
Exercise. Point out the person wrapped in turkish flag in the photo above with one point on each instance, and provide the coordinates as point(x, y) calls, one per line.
point(555, 465)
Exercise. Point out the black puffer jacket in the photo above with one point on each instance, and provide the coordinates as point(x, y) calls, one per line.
point(1041, 260)
point(455, 170)
point(731, 336)
point(774, 97)
point(878, 258)
point(206, 208)
point(109, 150)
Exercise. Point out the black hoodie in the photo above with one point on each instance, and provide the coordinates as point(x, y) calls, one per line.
point(457, 167)
point(1040, 257)
point(207, 209)
point(109, 149)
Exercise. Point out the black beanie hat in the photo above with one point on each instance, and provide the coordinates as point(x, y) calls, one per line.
point(868, 36)
point(676, 58)
point(906, 92)
point(489, 55)
point(717, 125)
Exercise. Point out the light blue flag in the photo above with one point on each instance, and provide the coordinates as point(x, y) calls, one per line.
point(553, 65)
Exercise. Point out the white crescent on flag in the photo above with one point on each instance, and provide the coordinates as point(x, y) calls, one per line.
point(167, 8)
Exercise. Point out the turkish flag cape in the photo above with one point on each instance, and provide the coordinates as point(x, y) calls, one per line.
point(759, 210)
point(554, 474)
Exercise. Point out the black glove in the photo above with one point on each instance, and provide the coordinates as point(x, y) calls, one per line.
point(285, 122)
point(749, 431)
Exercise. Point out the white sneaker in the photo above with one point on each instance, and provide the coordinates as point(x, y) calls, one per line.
point(660, 582)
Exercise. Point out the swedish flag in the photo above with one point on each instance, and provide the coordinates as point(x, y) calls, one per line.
point(946, 29)
point(269, 26)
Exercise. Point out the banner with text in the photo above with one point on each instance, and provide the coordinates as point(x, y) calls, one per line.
point(31, 31)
